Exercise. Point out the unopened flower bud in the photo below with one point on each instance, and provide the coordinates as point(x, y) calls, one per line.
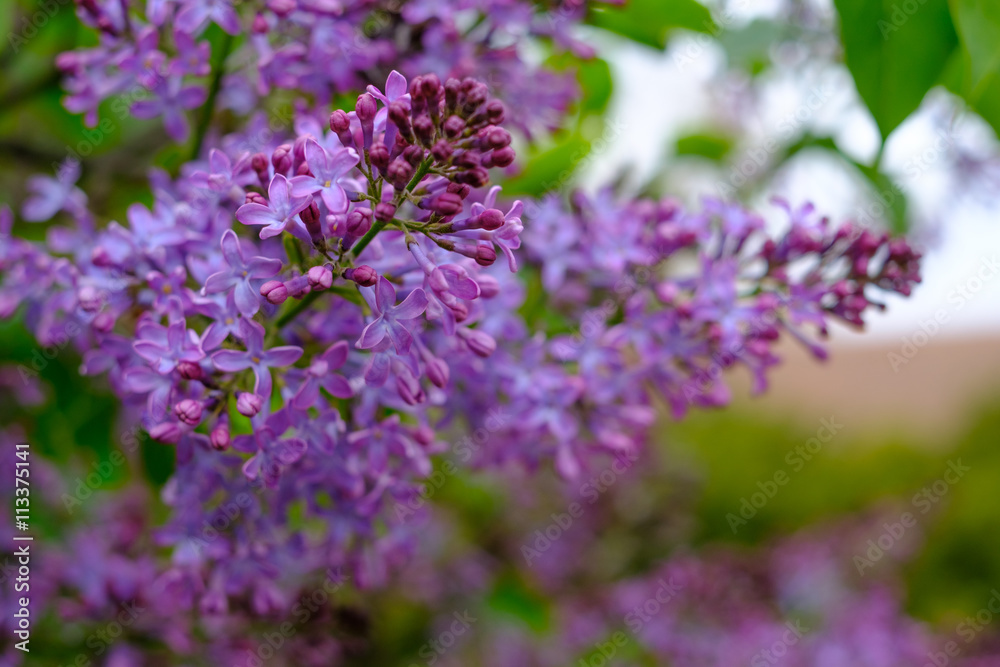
point(491, 219)
point(481, 343)
point(248, 404)
point(359, 221)
point(189, 411)
point(384, 212)
point(168, 432)
point(503, 157)
point(255, 198)
point(454, 126)
point(447, 203)
point(219, 436)
point(189, 370)
point(320, 277)
point(363, 275)
point(399, 173)
point(489, 286)
point(379, 156)
point(281, 158)
point(485, 255)
point(274, 291)
point(89, 298)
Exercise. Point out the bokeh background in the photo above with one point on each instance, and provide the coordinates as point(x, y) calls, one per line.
point(750, 100)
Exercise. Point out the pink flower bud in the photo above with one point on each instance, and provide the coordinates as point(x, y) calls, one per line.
point(248, 404)
point(363, 275)
point(274, 291)
point(320, 277)
point(188, 411)
point(190, 370)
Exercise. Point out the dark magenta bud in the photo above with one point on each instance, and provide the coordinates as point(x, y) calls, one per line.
point(282, 159)
point(454, 126)
point(379, 156)
point(491, 219)
point(503, 157)
point(189, 370)
point(359, 221)
point(384, 212)
point(366, 108)
point(363, 275)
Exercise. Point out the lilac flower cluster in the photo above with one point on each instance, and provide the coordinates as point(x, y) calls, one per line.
point(325, 361)
point(154, 59)
point(316, 352)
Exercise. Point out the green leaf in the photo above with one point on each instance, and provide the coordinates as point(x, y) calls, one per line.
point(595, 80)
point(649, 21)
point(895, 55)
point(978, 23)
point(974, 73)
point(712, 146)
point(549, 169)
point(749, 47)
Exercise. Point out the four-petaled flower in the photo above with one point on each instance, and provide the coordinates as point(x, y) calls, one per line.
point(167, 346)
point(280, 211)
point(388, 317)
point(256, 357)
point(327, 169)
point(270, 453)
point(320, 374)
point(244, 275)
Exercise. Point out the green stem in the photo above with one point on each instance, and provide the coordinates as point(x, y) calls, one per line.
point(425, 167)
point(218, 69)
point(295, 309)
point(367, 238)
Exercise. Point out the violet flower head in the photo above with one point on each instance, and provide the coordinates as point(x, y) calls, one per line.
point(243, 275)
point(320, 374)
point(255, 357)
point(390, 318)
point(280, 211)
point(270, 454)
point(165, 347)
point(51, 195)
point(327, 170)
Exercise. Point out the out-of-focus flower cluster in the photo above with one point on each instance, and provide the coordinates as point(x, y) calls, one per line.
point(154, 58)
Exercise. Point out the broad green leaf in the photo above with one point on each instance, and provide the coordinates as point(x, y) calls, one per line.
point(712, 146)
point(550, 169)
point(974, 72)
point(649, 21)
point(595, 80)
point(896, 52)
point(978, 23)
